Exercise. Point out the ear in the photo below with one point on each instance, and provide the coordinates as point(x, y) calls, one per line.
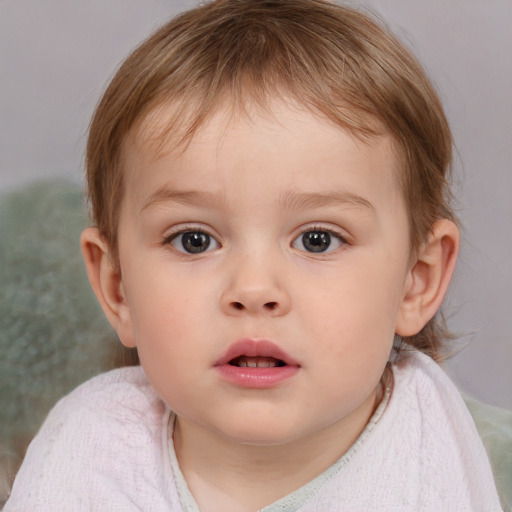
point(105, 279)
point(429, 277)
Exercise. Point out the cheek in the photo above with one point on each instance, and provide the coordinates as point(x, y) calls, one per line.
point(166, 327)
point(358, 307)
point(160, 316)
point(169, 307)
point(376, 290)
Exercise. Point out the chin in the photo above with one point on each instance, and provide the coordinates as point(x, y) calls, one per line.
point(262, 434)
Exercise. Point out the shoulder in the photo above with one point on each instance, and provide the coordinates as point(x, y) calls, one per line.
point(105, 442)
point(118, 400)
point(425, 395)
point(432, 421)
point(122, 381)
point(418, 377)
point(118, 391)
point(412, 362)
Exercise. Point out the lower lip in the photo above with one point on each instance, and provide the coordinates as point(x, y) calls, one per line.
point(256, 378)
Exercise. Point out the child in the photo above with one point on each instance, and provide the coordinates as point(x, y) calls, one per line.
point(268, 182)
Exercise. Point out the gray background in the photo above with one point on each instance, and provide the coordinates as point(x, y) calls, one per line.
point(57, 55)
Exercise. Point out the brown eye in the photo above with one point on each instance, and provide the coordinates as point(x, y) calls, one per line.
point(193, 242)
point(318, 241)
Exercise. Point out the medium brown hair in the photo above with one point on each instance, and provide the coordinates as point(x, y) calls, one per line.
point(337, 61)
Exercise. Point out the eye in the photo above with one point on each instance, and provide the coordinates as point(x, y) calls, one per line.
point(318, 241)
point(192, 241)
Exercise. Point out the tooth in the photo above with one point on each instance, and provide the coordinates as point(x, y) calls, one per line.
point(252, 364)
point(242, 364)
point(263, 364)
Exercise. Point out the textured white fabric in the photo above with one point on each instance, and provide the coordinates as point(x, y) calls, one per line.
point(104, 447)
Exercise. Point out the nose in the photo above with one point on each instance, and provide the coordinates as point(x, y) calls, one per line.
point(255, 287)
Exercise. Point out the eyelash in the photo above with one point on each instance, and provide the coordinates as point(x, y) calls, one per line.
point(322, 229)
point(188, 229)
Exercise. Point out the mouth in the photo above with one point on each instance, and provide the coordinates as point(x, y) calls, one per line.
point(254, 353)
point(256, 364)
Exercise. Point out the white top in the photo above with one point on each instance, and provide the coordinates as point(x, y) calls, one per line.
point(105, 447)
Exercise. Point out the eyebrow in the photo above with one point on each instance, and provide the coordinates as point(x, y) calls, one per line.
point(185, 197)
point(318, 199)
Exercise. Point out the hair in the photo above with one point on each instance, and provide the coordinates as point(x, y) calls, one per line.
point(336, 61)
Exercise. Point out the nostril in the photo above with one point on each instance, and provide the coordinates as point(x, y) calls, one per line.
point(270, 306)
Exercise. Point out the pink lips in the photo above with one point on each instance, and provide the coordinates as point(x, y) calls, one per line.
point(282, 365)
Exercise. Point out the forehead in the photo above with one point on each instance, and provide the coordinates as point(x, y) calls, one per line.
point(174, 124)
point(283, 136)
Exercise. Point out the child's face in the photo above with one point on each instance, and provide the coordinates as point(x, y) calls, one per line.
point(279, 238)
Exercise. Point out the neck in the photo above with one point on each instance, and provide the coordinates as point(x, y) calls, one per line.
point(225, 475)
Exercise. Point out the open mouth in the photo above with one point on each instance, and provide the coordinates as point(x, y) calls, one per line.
point(250, 353)
point(256, 362)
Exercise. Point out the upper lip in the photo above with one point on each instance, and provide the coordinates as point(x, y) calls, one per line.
point(255, 348)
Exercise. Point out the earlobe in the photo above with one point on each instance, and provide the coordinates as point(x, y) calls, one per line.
point(107, 284)
point(428, 278)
